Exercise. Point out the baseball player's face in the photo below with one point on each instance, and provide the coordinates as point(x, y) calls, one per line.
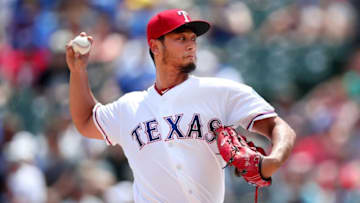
point(179, 50)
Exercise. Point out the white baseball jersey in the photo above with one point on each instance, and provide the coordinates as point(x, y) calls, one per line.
point(168, 138)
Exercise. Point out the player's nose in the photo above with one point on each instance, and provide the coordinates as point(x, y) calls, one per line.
point(191, 46)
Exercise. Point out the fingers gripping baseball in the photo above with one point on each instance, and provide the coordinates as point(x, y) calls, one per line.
point(78, 51)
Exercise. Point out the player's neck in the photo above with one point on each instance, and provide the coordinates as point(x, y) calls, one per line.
point(166, 80)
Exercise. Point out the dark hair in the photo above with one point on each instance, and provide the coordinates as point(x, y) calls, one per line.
point(177, 30)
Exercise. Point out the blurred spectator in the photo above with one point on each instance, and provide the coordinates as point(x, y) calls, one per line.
point(25, 181)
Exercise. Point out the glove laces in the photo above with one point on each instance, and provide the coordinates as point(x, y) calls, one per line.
point(256, 194)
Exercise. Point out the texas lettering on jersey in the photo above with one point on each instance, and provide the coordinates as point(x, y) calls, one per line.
point(194, 130)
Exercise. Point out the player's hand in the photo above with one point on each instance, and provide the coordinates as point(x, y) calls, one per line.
point(75, 61)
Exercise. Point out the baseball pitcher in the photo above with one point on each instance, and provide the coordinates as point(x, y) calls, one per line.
point(179, 133)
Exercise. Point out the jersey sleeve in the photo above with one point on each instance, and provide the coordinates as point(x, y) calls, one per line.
point(108, 121)
point(245, 106)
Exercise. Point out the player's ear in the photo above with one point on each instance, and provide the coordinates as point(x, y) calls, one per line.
point(154, 46)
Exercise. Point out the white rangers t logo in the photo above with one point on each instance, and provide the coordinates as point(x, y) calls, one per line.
point(185, 14)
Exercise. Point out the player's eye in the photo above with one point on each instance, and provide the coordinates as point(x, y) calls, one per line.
point(181, 38)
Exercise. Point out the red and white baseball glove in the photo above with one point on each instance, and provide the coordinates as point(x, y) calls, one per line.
point(245, 156)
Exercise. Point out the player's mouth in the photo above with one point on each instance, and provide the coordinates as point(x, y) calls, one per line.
point(190, 57)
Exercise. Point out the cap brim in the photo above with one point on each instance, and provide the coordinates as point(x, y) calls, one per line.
point(198, 27)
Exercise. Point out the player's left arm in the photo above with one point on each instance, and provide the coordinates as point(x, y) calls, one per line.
point(283, 139)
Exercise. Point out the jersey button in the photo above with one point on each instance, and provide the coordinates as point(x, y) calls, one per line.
point(178, 167)
point(190, 192)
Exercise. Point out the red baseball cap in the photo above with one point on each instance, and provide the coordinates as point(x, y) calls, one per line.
point(169, 20)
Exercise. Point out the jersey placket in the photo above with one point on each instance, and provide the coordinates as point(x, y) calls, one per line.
point(172, 149)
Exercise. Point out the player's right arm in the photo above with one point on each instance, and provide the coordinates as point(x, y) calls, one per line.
point(82, 101)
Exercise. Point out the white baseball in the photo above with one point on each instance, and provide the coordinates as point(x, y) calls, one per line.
point(81, 45)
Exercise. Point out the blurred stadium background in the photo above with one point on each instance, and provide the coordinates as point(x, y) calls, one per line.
point(303, 56)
